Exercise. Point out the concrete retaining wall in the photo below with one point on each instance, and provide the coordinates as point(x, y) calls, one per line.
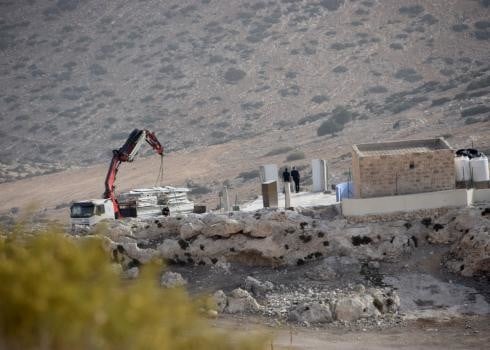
point(411, 202)
point(481, 195)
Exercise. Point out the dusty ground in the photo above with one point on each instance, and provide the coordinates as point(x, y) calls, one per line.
point(439, 310)
point(457, 333)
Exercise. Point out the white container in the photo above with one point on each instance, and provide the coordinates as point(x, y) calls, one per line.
point(269, 173)
point(319, 175)
point(462, 168)
point(479, 169)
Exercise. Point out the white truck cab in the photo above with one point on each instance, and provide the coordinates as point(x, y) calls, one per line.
point(90, 212)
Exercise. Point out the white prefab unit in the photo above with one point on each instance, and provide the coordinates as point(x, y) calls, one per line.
point(319, 175)
point(462, 168)
point(268, 173)
point(479, 169)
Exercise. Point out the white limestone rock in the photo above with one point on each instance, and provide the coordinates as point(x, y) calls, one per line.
point(349, 308)
point(240, 301)
point(310, 313)
point(221, 300)
point(223, 227)
point(171, 279)
point(471, 254)
point(385, 301)
point(142, 255)
point(191, 227)
point(257, 287)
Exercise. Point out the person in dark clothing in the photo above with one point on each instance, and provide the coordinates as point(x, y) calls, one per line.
point(286, 178)
point(295, 176)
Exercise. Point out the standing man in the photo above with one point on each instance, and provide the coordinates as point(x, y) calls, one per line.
point(295, 176)
point(286, 178)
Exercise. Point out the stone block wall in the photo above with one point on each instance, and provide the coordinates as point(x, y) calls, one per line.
point(405, 173)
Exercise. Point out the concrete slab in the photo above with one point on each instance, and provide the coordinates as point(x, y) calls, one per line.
point(301, 199)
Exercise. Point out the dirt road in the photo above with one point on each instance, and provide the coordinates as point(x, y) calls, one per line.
point(460, 333)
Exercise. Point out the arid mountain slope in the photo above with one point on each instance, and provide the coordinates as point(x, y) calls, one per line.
point(276, 76)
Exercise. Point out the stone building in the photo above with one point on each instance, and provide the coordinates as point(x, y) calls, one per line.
point(402, 167)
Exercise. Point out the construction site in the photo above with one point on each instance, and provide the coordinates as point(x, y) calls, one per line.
point(405, 241)
point(270, 175)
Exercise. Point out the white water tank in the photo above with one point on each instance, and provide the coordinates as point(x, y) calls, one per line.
point(462, 168)
point(479, 169)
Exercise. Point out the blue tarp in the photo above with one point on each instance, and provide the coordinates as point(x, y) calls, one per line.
point(344, 190)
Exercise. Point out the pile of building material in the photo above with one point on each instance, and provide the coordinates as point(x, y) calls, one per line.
point(153, 201)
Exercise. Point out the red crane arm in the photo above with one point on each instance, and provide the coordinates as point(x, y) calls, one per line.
point(127, 153)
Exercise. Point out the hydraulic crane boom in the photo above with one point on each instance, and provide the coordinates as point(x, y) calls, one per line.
point(127, 153)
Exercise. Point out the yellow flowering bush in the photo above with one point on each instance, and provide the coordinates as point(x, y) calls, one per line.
point(60, 293)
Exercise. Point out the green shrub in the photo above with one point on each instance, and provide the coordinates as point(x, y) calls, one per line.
point(474, 111)
point(200, 190)
point(440, 101)
point(249, 175)
point(279, 150)
point(59, 293)
point(296, 155)
point(479, 84)
point(343, 115)
point(329, 127)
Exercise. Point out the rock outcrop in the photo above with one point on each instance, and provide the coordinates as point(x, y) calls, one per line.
point(171, 279)
point(240, 301)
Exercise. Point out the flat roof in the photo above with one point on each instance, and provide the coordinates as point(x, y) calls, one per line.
point(400, 147)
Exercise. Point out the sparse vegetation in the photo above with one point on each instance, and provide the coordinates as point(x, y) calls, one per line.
point(234, 75)
point(249, 175)
point(58, 293)
point(460, 27)
point(329, 127)
point(198, 190)
point(340, 69)
point(475, 111)
point(377, 89)
point(319, 99)
point(97, 69)
point(411, 11)
point(408, 74)
point(296, 155)
point(440, 101)
point(279, 150)
point(479, 84)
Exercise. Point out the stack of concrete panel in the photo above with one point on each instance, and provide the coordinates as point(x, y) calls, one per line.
point(149, 202)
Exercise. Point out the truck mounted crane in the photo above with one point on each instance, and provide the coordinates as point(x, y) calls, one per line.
point(127, 153)
point(89, 212)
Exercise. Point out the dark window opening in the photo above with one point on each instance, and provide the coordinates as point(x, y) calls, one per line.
point(412, 165)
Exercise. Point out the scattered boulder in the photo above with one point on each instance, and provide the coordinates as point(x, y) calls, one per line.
point(310, 313)
point(240, 301)
point(131, 273)
point(471, 255)
point(221, 300)
point(349, 308)
point(222, 227)
point(142, 255)
point(191, 227)
point(385, 301)
point(257, 287)
point(172, 279)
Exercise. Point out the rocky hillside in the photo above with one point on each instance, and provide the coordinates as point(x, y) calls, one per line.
point(78, 75)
